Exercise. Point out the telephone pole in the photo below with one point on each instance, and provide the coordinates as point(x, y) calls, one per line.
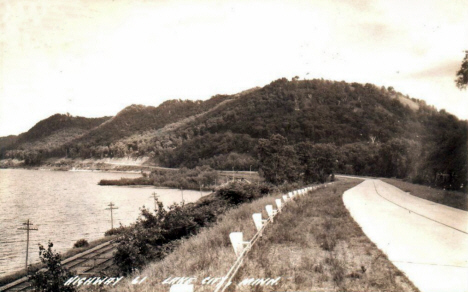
point(111, 207)
point(27, 228)
point(155, 197)
point(182, 191)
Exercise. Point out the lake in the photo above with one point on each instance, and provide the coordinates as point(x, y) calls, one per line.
point(66, 206)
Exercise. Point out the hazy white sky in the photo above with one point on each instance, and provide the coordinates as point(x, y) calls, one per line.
point(93, 58)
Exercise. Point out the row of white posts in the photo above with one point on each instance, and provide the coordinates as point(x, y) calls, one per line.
point(241, 247)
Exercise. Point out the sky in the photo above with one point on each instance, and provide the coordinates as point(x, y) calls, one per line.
point(92, 58)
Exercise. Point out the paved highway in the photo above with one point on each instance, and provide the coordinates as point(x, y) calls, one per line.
point(425, 240)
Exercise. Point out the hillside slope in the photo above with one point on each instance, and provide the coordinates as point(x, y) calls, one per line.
point(369, 130)
point(50, 133)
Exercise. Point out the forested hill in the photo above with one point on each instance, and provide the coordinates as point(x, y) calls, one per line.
point(52, 132)
point(65, 135)
point(368, 130)
point(137, 119)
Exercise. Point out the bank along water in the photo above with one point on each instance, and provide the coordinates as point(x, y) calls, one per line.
point(66, 206)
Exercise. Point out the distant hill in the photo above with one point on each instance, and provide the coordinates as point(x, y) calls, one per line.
point(375, 131)
point(138, 119)
point(6, 142)
point(318, 111)
point(52, 132)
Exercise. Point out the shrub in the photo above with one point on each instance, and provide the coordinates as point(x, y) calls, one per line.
point(54, 276)
point(81, 243)
point(115, 231)
point(153, 236)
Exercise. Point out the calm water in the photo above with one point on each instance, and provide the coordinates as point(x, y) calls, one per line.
point(65, 207)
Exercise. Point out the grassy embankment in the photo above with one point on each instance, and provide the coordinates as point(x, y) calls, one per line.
point(313, 244)
point(37, 266)
point(453, 199)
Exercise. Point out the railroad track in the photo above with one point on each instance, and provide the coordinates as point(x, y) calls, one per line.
point(92, 261)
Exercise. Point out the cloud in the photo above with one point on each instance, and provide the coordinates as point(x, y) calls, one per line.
point(445, 69)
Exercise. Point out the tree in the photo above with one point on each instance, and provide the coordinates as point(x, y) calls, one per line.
point(278, 161)
point(317, 160)
point(395, 159)
point(53, 278)
point(462, 74)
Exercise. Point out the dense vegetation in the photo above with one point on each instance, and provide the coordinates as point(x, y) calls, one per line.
point(153, 236)
point(189, 179)
point(45, 136)
point(368, 130)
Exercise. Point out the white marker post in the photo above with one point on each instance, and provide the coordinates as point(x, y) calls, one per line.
point(258, 221)
point(271, 213)
point(285, 198)
point(279, 204)
point(238, 243)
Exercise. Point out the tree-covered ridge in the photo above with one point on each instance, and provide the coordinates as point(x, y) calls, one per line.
point(368, 129)
point(136, 119)
point(317, 110)
point(48, 134)
point(371, 130)
point(58, 122)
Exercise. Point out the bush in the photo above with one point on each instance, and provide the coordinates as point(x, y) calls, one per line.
point(53, 278)
point(115, 231)
point(81, 243)
point(238, 192)
point(153, 236)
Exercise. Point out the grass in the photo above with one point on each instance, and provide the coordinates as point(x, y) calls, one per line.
point(313, 244)
point(37, 266)
point(453, 199)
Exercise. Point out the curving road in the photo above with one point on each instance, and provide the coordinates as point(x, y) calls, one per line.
point(425, 240)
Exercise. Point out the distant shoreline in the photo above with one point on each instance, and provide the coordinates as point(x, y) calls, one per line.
point(134, 166)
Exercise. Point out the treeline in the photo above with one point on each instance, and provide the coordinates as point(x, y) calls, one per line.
point(401, 158)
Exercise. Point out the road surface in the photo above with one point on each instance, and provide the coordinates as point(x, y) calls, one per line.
point(425, 240)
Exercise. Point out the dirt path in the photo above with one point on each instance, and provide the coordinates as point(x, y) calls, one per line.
point(425, 240)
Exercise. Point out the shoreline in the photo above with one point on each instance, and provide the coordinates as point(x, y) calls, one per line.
point(117, 165)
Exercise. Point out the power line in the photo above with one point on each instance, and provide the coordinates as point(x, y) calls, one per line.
point(27, 228)
point(111, 207)
point(155, 197)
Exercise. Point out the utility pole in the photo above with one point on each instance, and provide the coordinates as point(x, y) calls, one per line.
point(200, 191)
point(233, 173)
point(27, 228)
point(182, 191)
point(111, 207)
point(155, 197)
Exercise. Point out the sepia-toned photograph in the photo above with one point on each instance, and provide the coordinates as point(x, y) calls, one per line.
point(223, 146)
